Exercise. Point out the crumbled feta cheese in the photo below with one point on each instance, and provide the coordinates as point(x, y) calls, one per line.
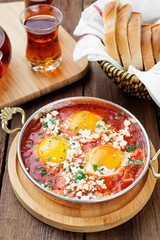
point(54, 113)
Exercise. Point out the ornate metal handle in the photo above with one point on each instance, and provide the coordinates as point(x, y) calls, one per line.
point(156, 175)
point(6, 115)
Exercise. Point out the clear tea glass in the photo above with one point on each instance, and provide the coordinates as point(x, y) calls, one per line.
point(43, 49)
point(29, 3)
point(5, 51)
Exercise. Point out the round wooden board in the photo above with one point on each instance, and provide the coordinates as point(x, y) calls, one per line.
point(71, 218)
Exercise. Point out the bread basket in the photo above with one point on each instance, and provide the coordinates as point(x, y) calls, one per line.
point(128, 82)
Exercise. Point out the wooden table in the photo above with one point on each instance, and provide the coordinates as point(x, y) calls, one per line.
point(15, 222)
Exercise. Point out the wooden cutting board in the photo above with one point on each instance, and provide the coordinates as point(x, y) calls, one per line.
point(20, 83)
point(82, 219)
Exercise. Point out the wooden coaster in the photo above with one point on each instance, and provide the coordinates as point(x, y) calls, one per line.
point(20, 83)
point(86, 219)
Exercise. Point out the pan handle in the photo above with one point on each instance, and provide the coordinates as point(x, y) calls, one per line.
point(156, 175)
point(6, 115)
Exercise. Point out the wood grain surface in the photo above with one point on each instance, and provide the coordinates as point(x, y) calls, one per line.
point(15, 222)
point(17, 87)
point(75, 218)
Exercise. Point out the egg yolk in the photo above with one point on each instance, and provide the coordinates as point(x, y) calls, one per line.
point(106, 156)
point(53, 149)
point(82, 120)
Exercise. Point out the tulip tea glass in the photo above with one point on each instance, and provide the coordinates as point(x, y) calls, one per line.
point(43, 49)
point(5, 51)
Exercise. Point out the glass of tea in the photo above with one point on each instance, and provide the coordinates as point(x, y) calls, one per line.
point(29, 3)
point(5, 51)
point(43, 49)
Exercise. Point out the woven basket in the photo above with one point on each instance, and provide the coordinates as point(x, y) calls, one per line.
point(128, 82)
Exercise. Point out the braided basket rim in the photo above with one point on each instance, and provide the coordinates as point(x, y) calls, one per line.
point(125, 80)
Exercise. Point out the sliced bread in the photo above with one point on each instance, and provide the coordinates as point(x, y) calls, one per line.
point(146, 47)
point(134, 39)
point(110, 19)
point(156, 42)
point(123, 17)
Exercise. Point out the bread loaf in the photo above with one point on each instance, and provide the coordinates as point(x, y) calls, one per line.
point(122, 37)
point(146, 47)
point(156, 42)
point(110, 19)
point(134, 39)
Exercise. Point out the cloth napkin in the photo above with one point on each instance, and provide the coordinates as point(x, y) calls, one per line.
point(90, 31)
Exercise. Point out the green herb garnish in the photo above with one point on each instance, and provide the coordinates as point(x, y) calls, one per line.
point(36, 159)
point(59, 131)
point(105, 119)
point(45, 124)
point(139, 162)
point(41, 169)
point(138, 145)
point(40, 134)
point(130, 148)
point(95, 166)
point(79, 175)
point(48, 186)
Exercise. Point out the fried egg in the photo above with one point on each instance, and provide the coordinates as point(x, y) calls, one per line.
point(53, 149)
point(104, 160)
point(82, 120)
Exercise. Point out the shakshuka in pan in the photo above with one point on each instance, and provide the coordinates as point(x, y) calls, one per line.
point(83, 151)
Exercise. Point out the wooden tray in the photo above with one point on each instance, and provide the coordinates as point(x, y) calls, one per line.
point(20, 84)
point(87, 219)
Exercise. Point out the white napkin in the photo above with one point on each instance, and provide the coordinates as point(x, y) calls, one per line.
point(91, 32)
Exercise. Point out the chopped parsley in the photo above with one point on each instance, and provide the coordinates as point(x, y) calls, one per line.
point(36, 159)
point(138, 145)
point(130, 161)
point(139, 162)
point(39, 180)
point(59, 131)
point(69, 168)
point(80, 166)
point(41, 169)
point(77, 134)
point(44, 172)
point(48, 158)
point(94, 144)
point(31, 146)
point(45, 124)
point(95, 166)
point(64, 150)
point(86, 192)
point(48, 186)
point(116, 117)
point(98, 126)
point(52, 120)
point(60, 121)
point(130, 148)
point(76, 128)
point(79, 175)
point(100, 179)
point(70, 190)
point(105, 119)
point(40, 134)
